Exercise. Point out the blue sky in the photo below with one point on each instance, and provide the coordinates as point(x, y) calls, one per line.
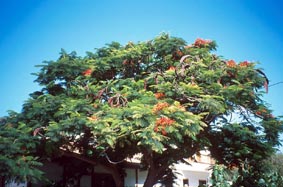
point(32, 31)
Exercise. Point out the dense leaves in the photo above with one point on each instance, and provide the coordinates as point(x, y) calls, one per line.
point(17, 159)
point(158, 98)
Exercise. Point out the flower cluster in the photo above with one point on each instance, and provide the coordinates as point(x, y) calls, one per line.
point(264, 113)
point(171, 68)
point(201, 42)
point(244, 64)
point(87, 72)
point(159, 95)
point(159, 106)
point(162, 123)
point(231, 63)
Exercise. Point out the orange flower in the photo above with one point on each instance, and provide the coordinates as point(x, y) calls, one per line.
point(155, 128)
point(164, 121)
point(159, 106)
point(231, 63)
point(201, 42)
point(244, 64)
point(162, 129)
point(163, 132)
point(159, 95)
point(161, 124)
point(264, 113)
point(172, 68)
point(87, 72)
point(258, 113)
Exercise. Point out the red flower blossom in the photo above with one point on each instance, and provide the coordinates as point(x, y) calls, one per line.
point(172, 68)
point(244, 64)
point(87, 72)
point(159, 95)
point(231, 63)
point(161, 124)
point(264, 113)
point(201, 42)
point(164, 121)
point(163, 132)
point(159, 106)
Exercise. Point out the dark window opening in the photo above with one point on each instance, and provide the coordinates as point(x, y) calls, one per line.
point(185, 182)
point(202, 183)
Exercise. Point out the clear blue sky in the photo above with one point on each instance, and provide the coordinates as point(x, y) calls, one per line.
point(32, 31)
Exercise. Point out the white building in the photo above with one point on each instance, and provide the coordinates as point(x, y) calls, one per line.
point(197, 173)
point(188, 175)
point(194, 174)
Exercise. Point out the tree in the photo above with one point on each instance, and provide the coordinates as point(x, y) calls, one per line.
point(17, 159)
point(275, 163)
point(264, 174)
point(220, 177)
point(273, 170)
point(162, 98)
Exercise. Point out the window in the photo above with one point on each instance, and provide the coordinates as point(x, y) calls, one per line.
point(185, 182)
point(202, 183)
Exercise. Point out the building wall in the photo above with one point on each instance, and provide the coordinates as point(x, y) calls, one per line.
point(193, 178)
point(54, 173)
point(85, 181)
point(130, 179)
point(200, 169)
point(14, 184)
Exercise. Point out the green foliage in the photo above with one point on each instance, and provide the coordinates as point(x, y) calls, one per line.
point(260, 176)
point(274, 170)
point(156, 98)
point(257, 175)
point(220, 177)
point(275, 163)
point(16, 146)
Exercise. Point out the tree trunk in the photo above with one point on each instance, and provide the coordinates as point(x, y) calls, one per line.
point(119, 182)
point(156, 168)
point(2, 181)
point(117, 178)
point(151, 177)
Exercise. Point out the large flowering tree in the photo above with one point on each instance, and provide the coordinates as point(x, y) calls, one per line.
point(162, 98)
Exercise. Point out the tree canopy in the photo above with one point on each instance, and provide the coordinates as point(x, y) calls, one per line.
point(162, 98)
